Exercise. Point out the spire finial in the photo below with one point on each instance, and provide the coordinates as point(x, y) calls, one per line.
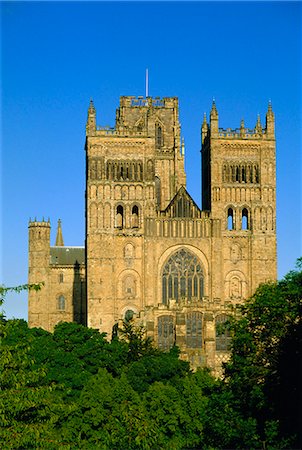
point(214, 109)
point(59, 238)
point(91, 105)
point(204, 119)
point(269, 108)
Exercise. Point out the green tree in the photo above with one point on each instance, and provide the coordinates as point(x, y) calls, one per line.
point(29, 409)
point(270, 318)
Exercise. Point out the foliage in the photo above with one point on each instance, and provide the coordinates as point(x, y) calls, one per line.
point(74, 389)
point(17, 289)
point(260, 360)
point(139, 344)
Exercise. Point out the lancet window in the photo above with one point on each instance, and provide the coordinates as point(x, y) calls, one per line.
point(244, 219)
point(158, 136)
point(166, 334)
point(182, 277)
point(194, 330)
point(223, 336)
point(61, 303)
point(134, 217)
point(119, 217)
point(230, 219)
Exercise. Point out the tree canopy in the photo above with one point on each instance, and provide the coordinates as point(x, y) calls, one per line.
point(75, 389)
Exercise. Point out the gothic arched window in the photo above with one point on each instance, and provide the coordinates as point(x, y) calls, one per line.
point(61, 303)
point(119, 218)
point(194, 330)
point(223, 337)
point(61, 277)
point(134, 217)
point(245, 219)
point(158, 136)
point(230, 219)
point(166, 335)
point(182, 277)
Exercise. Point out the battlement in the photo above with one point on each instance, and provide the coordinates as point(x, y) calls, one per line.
point(147, 102)
point(35, 223)
point(139, 117)
point(241, 133)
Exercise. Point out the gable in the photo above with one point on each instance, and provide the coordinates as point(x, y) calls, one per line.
point(182, 205)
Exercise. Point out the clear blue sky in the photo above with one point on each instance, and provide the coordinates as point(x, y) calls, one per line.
point(56, 56)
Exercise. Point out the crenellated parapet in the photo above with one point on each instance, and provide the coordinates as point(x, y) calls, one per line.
point(259, 132)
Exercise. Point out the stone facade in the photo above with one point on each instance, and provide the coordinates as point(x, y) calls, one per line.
point(151, 252)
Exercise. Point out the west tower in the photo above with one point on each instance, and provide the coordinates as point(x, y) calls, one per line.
point(239, 188)
point(133, 172)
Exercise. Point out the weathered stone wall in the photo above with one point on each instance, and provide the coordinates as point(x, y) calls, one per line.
point(141, 224)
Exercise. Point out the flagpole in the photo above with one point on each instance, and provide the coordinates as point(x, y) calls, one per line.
point(147, 81)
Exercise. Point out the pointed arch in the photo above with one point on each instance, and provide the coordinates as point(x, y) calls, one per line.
point(61, 303)
point(194, 329)
point(245, 221)
point(159, 136)
point(165, 332)
point(230, 219)
point(119, 217)
point(135, 216)
point(182, 277)
point(222, 333)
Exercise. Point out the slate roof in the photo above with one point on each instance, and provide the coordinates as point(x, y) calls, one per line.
point(67, 256)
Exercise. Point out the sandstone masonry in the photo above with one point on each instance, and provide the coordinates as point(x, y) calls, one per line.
point(151, 253)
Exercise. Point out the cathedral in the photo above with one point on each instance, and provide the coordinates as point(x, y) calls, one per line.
point(151, 254)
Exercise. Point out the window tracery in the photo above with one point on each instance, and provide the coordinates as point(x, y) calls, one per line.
point(166, 334)
point(223, 336)
point(194, 330)
point(182, 277)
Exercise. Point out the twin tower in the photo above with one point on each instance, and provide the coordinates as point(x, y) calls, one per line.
point(150, 252)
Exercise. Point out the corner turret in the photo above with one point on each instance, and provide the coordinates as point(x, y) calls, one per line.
point(39, 248)
point(214, 120)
